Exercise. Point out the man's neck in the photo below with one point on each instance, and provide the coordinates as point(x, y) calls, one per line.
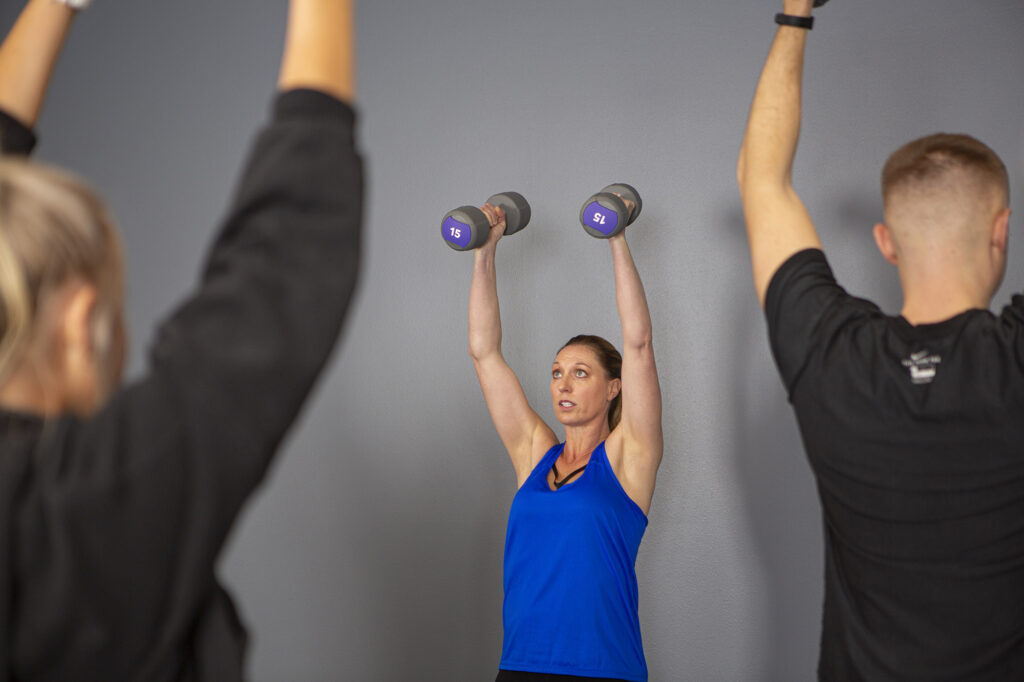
point(939, 301)
point(936, 288)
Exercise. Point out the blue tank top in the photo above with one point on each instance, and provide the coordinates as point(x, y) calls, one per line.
point(571, 605)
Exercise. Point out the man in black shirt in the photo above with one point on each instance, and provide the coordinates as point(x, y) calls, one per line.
point(912, 424)
point(115, 504)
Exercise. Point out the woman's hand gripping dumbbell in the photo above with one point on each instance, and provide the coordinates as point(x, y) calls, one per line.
point(468, 227)
point(608, 212)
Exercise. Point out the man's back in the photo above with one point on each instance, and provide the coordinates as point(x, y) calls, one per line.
point(914, 435)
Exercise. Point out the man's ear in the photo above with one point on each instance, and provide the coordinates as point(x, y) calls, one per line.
point(885, 243)
point(1001, 230)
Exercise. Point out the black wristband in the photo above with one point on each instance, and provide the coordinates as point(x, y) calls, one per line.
point(791, 20)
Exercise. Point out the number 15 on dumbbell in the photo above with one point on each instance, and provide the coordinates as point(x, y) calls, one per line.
point(467, 227)
point(603, 215)
point(608, 212)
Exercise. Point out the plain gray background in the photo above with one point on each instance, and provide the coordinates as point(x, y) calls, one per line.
point(374, 551)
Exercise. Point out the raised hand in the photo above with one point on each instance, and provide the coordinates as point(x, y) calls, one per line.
point(496, 217)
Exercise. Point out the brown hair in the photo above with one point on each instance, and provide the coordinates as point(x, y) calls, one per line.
point(54, 229)
point(610, 360)
point(933, 158)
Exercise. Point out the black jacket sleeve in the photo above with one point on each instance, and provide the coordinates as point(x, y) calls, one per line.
point(15, 137)
point(127, 512)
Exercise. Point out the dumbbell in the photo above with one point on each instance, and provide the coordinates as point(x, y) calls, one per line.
point(606, 214)
point(466, 227)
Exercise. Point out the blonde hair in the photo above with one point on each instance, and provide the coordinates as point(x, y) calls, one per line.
point(55, 229)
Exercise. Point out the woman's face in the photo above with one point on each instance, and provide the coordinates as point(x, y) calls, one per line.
point(581, 390)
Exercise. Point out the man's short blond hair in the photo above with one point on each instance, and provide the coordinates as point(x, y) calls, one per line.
point(932, 161)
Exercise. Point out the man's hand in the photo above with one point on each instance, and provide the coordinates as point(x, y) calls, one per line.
point(798, 8)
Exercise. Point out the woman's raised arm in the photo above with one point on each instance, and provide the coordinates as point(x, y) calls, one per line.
point(521, 430)
point(28, 56)
point(639, 435)
point(319, 50)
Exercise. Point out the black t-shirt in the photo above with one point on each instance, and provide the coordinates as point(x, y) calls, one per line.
point(915, 435)
point(110, 527)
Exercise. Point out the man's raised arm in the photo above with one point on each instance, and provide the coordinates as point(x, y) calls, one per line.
point(778, 224)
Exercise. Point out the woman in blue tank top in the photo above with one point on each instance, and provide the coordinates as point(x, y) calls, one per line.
point(571, 604)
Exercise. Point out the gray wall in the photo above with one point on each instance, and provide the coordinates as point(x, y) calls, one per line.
point(374, 553)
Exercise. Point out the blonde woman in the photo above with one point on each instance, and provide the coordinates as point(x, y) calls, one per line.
point(115, 501)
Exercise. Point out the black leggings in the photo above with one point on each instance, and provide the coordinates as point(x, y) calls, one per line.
point(517, 676)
